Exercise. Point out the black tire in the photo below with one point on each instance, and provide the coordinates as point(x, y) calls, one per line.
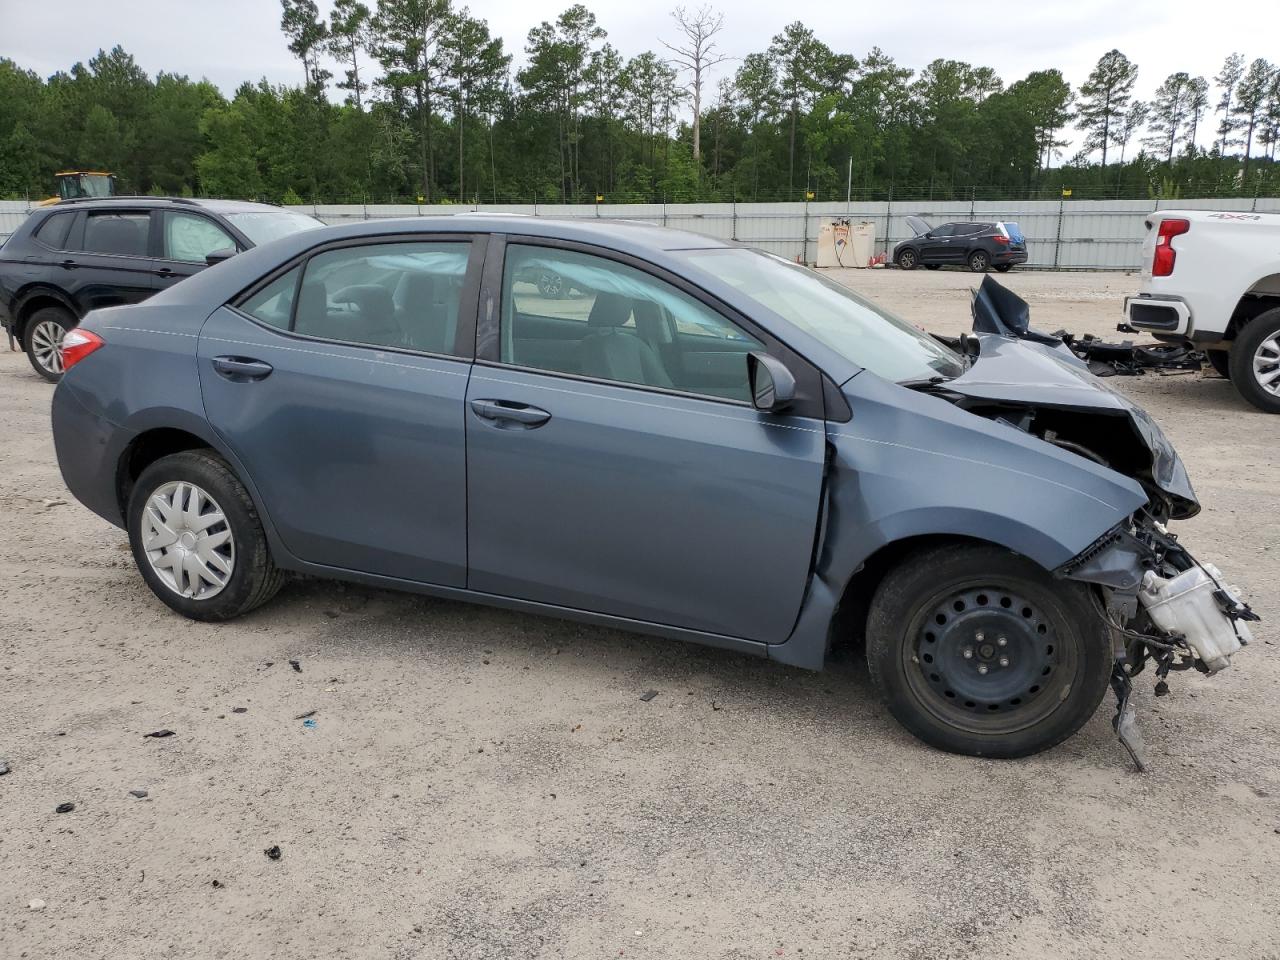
point(1003, 267)
point(908, 259)
point(254, 578)
point(42, 340)
point(979, 261)
point(1259, 340)
point(1013, 699)
point(933, 266)
point(1220, 360)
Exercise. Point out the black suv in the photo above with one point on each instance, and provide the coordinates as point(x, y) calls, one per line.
point(976, 245)
point(75, 256)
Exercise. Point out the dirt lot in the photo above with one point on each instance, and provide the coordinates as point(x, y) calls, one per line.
point(482, 784)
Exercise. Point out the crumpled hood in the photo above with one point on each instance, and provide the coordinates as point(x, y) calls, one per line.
point(1043, 375)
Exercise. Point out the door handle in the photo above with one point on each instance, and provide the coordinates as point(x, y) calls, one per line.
point(241, 369)
point(506, 411)
point(68, 264)
point(165, 273)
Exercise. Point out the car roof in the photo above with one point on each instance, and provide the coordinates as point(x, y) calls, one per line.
point(212, 205)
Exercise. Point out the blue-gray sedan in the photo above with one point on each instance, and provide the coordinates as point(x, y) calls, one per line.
point(657, 431)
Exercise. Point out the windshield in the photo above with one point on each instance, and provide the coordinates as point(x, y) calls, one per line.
point(263, 226)
point(857, 329)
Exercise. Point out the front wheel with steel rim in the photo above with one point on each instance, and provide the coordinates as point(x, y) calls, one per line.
point(976, 650)
point(1254, 361)
point(197, 538)
point(43, 341)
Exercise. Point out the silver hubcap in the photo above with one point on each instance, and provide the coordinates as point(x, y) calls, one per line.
point(1266, 364)
point(46, 344)
point(188, 540)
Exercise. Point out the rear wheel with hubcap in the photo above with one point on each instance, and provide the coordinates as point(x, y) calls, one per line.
point(976, 650)
point(43, 341)
point(197, 539)
point(979, 261)
point(1254, 361)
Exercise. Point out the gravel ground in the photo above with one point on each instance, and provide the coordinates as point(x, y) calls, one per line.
point(482, 784)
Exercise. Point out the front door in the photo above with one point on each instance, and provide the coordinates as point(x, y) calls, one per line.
point(340, 385)
point(615, 464)
point(936, 247)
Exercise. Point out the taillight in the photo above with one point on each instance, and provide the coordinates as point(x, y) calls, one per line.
point(1000, 238)
point(78, 344)
point(1166, 256)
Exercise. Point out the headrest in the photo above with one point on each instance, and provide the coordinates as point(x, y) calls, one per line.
point(609, 310)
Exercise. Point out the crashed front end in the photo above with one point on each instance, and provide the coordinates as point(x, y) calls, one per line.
point(1162, 606)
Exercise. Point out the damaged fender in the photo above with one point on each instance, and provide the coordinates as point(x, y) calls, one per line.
point(912, 464)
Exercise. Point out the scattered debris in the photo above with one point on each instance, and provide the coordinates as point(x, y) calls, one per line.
point(40, 904)
point(158, 734)
point(297, 666)
point(239, 709)
point(216, 884)
point(1129, 359)
point(648, 695)
point(64, 808)
point(309, 723)
point(272, 852)
point(1162, 689)
point(303, 716)
point(716, 706)
point(140, 794)
point(4, 767)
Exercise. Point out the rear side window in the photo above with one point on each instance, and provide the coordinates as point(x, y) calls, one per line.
point(403, 295)
point(273, 304)
point(121, 234)
point(53, 232)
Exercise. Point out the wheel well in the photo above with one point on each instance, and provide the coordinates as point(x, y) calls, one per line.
point(30, 307)
point(146, 449)
point(848, 625)
point(1261, 297)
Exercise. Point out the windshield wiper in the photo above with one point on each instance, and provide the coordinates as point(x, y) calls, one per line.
point(924, 383)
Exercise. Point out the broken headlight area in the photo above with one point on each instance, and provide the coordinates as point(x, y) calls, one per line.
point(1163, 607)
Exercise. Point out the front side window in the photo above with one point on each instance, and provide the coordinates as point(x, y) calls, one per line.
point(404, 295)
point(117, 233)
point(191, 238)
point(574, 313)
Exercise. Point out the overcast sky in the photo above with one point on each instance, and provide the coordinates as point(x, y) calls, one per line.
point(229, 41)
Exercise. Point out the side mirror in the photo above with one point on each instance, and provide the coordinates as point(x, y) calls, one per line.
point(772, 385)
point(217, 256)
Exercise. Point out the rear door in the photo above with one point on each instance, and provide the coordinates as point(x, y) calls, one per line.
point(340, 385)
point(186, 238)
point(623, 474)
point(109, 260)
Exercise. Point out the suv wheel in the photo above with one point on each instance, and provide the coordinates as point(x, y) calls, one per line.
point(43, 341)
point(1254, 361)
point(1003, 267)
point(197, 539)
point(907, 260)
point(977, 650)
point(979, 261)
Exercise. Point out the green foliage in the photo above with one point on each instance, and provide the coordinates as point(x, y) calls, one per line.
point(431, 108)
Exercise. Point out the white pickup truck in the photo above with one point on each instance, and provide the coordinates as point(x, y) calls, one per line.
point(1213, 280)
